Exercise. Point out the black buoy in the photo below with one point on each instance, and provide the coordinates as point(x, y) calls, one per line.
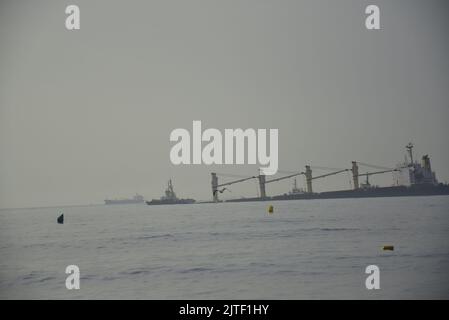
point(61, 219)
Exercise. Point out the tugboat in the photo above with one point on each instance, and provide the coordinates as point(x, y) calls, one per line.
point(169, 198)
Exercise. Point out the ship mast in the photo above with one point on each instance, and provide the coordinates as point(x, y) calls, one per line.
point(170, 193)
point(409, 148)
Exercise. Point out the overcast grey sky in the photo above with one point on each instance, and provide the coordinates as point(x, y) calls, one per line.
point(87, 114)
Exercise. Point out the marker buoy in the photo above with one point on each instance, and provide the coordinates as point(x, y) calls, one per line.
point(388, 248)
point(270, 209)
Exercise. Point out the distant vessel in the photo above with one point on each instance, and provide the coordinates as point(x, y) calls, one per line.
point(136, 199)
point(170, 197)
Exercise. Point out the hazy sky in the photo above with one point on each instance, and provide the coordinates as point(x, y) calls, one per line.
point(87, 114)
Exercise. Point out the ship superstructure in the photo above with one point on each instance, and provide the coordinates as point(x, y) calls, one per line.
point(411, 172)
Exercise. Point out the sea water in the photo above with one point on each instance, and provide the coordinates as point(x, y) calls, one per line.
point(306, 249)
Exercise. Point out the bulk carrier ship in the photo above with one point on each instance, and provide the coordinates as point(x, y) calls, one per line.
point(412, 178)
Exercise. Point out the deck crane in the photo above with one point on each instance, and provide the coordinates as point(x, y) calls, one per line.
point(307, 173)
point(309, 177)
point(215, 185)
point(262, 182)
point(356, 175)
point(367, 184)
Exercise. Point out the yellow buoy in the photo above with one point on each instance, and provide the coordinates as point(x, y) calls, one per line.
point(270, 209)
point(390, 248)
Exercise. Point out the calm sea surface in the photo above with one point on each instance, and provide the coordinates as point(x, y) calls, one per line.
point(314, 249)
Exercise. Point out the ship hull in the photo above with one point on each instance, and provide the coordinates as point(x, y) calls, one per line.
point(163, 202)
point(397, 191)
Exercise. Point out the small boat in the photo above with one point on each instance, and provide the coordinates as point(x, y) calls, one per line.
point(169, 198)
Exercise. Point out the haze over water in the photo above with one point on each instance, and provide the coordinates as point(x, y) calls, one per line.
point(307, 249)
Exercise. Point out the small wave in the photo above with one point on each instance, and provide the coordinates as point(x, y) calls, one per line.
point(196, 269)
point(208, 292)
point(338, 229)
point(433, 255)
point(144, 271)
point(221, 234)
point(30, 276)
point(262, 264)
point(136, 272)
point(282, 221)
point(155, 236)
point(46, 279)
point(286, 272)
point(35, 277)
point(109, 278)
